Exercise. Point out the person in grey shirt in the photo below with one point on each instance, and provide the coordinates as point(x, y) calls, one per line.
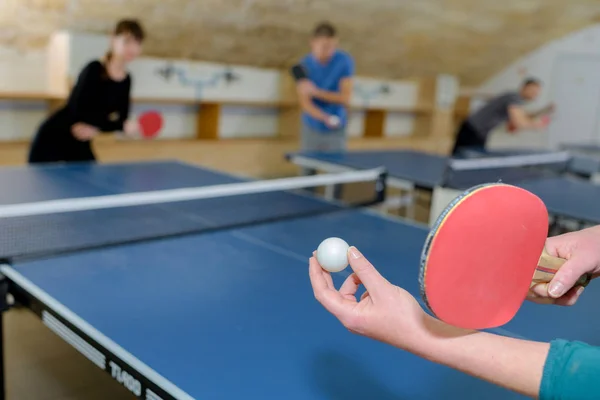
point(507, 107)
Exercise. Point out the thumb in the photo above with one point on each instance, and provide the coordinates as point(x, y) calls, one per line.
point(567, 276)
point(366, 272)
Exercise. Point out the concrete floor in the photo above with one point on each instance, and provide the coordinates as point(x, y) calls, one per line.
point(41, 366)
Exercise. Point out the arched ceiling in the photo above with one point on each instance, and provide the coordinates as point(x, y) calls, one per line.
point(472, 39)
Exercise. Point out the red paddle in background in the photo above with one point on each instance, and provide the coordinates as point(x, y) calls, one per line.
point(484, 253)
point(150, 123)
point(545, 120)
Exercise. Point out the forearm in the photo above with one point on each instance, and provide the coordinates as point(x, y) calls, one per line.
point(309, 108)
point(332, 97)
point(511, 363)
point(540, 112)
point(526, 122)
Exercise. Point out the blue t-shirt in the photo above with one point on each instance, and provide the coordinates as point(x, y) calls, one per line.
point(328, 77)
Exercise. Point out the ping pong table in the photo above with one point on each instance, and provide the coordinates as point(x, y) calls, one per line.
point(229, 313)
point(565, 196)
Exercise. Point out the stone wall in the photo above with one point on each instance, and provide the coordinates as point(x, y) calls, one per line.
point(472, 39)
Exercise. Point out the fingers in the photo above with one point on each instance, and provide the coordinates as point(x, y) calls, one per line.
point(555, 246)
point(317, 278)
point(326, 274)
point(365, 271)
point(328, 297)
point(571, 297)
point(539, 295)
point(350, 286)
point(567, 276)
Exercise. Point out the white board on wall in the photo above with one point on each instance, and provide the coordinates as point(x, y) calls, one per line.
point(398, 124)
point(356, 122)
point(376, 93)
point(22, 72)
point(250, 122)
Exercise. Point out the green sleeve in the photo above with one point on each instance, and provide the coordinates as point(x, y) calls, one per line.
point(571, 371)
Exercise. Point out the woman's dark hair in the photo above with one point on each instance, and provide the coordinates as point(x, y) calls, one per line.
point(127, 26)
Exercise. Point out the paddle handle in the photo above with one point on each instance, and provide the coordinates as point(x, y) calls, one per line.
point(547, 267)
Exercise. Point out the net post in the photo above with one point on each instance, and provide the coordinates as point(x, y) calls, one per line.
point(381, 187)
point(4, 306)
point(445, 179)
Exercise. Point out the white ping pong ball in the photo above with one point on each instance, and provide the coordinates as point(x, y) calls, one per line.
point(334, 120)
point(332, 254)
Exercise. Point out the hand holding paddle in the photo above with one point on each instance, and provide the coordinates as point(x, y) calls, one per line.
point(582, 250)
point(484, 253)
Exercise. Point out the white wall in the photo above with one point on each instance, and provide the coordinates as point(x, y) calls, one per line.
point(541, 64)
point(21, 72)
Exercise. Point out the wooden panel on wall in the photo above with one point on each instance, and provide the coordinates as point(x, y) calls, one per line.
point(289, 122)
point(251, 157)
point(374, 124)
point(425, 100)
point(422, 126)
point(438, 126)
point(55, 104)
point(427, 89)
point(207, 122)
point(462, 107)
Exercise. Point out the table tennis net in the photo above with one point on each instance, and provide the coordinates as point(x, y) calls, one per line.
point(473, 170)
point(47, 228)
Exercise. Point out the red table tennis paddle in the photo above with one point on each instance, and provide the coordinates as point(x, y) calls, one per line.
point(484, 253)
point(545, 120)
point(150, 123)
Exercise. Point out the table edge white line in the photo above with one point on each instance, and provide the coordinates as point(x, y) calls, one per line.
point(93, 333)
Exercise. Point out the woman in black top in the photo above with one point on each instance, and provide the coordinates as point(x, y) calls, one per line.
point(99, 102)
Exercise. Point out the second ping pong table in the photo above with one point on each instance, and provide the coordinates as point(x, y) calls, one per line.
point(229, 314)
point(566, 197)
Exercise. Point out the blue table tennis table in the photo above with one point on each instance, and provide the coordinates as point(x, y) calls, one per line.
point(229, 314)
point(565, 196)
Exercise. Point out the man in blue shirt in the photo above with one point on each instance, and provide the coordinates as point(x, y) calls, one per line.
point(324, 92)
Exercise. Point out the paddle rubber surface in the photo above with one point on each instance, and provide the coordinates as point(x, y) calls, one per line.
point(150, 123)
point(480, 256)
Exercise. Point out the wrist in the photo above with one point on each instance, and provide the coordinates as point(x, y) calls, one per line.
point(436, 340)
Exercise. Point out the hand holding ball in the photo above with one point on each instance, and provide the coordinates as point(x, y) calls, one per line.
point(332, 254)
point(333, 121)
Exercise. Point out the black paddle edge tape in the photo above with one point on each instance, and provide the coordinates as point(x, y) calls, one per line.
point(584, 280)
point(432, 233)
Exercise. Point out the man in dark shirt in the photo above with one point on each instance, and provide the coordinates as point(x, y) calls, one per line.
point(507, 107)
